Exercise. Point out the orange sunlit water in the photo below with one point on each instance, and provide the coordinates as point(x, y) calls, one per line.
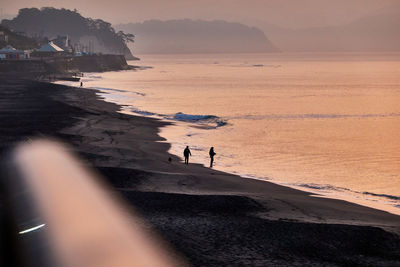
point(326, 123)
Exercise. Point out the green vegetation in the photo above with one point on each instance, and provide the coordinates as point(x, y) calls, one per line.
point(17, 41)
point(51, 22)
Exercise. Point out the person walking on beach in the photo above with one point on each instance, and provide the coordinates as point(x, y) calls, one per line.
point(81, 84)
point(187, 153)
point(212, 154)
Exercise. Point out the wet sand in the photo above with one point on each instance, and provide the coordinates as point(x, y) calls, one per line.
point(212, 218)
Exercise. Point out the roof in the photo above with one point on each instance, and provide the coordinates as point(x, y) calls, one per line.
point(50, 47)
point(8, 48)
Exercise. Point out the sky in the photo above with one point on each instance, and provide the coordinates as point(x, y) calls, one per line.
point(284, 13)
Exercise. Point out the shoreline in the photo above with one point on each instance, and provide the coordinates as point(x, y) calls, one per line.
point(354, 197)
point(211, 217)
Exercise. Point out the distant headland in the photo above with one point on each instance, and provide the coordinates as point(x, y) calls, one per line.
point(197, 36)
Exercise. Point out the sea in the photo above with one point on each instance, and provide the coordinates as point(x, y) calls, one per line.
point(326, 123)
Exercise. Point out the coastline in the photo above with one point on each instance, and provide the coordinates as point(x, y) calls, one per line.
point(209, 216)
point(182, 121)
point(316, 190)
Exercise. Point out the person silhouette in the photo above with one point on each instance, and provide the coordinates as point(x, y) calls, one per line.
point(212, 154)
point(81, 84)
point(187, 153)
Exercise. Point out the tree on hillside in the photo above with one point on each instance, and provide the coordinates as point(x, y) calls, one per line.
point(17, 41)
point(52, 22)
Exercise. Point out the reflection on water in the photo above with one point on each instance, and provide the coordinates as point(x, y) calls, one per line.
point(318, 122)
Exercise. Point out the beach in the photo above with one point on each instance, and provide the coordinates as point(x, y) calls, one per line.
point(209, 217)
point(321, 123)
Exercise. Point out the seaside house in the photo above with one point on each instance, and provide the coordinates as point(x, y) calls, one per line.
point(63, 42)
point(3, 36)
point(49, 50)
point(9, 52)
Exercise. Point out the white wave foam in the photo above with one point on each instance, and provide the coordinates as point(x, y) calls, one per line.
point(199, 118)
point(145, 113)
point(314, 116)
point(331, 188)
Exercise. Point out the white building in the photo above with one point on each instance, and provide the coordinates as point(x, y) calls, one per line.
point(50, 47)
point(48, 50)
point(9, 52)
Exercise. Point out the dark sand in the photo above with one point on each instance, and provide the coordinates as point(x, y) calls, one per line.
point(212, 218)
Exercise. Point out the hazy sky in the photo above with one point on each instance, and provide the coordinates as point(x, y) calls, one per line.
point(287, 13)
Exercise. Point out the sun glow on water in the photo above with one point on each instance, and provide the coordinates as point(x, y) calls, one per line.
point(316, 122)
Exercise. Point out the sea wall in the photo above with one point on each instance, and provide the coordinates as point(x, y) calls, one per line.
point(23, 66)
point(95, 63)
point(64, 65)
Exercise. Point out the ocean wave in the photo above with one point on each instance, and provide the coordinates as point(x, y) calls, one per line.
point(323, 187)
point(145, 67)
point(204, 120)
point(117, 90)
point(327, 187)
point(107, 89)
point(268, 66)
point(188, 117)
point(199, 118)
point(247, 65)
point(315, 116)
point(94, 76)
point(382, 195)
point(145, 113)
